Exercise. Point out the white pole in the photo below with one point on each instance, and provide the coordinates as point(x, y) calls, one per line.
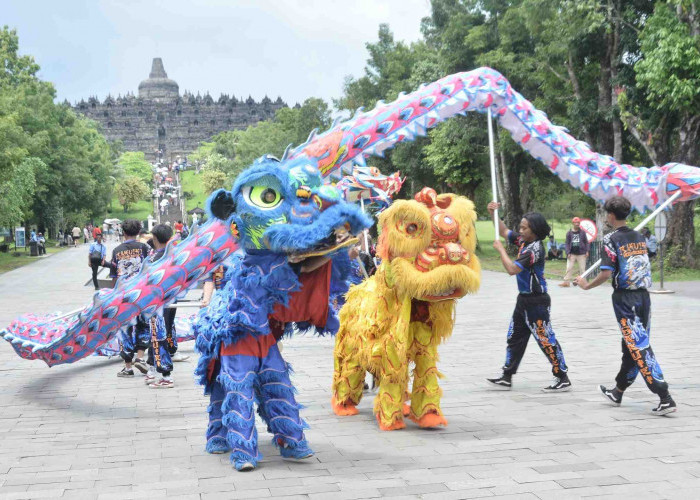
point(185, 305)
point(638, 227)
point(67, 315)
point(493, 173)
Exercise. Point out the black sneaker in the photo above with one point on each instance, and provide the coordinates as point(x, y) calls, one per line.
point(502, 383)
point(140, 365)
point(610, 395)
point(559, 384)
point(665, 407)
point(125, 373)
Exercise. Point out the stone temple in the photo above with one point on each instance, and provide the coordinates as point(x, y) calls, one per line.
point(161, 119)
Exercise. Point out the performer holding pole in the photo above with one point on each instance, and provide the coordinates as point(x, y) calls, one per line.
point(625, 258)
point(532, 309)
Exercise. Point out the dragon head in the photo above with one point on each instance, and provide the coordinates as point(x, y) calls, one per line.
point(429, 244)
point(285, 207)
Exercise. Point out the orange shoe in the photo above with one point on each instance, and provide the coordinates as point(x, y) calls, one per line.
point(430, 420)
point(343, 409)
point(406, 409)
point(398, 425)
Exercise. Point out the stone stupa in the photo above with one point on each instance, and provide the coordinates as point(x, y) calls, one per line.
point(158, 87)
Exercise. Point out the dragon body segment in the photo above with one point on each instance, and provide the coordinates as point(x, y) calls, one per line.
point(401, 314)
point(58, 340)
point(372, 133)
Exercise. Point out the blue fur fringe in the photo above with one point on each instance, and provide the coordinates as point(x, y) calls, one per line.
point(300, 238)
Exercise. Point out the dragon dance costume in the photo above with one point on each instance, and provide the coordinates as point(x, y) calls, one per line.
point(282, 207)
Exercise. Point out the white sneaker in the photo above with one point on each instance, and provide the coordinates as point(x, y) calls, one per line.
point(162, 383)
point(150, 377)
point(178, 356)
point(559, 384)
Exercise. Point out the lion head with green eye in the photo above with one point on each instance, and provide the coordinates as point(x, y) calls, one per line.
point(286, 208)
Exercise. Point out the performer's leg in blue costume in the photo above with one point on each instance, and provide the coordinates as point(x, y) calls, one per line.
point(237, 377)
point(216, 431)
point(278, 407)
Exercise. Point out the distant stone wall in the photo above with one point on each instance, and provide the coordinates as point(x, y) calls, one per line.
point(176, 127)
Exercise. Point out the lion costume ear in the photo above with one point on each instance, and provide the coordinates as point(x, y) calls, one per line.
point(221, 204)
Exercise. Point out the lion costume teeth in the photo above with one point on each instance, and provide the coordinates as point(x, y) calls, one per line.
point(401, 314)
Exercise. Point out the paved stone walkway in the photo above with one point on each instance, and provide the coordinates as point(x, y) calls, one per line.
point(80, 432)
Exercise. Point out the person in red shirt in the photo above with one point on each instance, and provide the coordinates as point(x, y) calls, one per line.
point(178, 226)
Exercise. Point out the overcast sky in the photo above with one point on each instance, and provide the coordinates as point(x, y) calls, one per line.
point(289, 48)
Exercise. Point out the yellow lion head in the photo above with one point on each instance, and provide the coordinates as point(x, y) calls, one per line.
point(429, 245)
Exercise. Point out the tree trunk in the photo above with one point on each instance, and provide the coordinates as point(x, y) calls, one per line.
point(681, 235)
point(577, 93)
point(525, 189)
point(600, 219)
point(510, 190)
point(681, 229)
point(605, 132)
point(516, 190)
point(614, 61)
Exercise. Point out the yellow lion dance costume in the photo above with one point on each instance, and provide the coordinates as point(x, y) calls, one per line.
point(401, 314)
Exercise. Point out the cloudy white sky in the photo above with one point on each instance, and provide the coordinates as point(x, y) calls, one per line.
point(289, 48)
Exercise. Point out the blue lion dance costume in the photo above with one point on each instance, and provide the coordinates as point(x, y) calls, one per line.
point(281, 215)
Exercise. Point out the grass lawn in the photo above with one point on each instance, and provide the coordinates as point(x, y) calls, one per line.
point(555, 269)
point(139, 211)
point(191, 184)
point(8, 261)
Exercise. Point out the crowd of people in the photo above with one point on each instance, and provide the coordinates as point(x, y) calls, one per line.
point(166, 184)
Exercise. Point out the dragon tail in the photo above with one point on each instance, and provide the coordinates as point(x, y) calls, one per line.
point(65, 339)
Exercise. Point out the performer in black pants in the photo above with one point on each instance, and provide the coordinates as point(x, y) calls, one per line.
point(531, 315)
point(626, 259)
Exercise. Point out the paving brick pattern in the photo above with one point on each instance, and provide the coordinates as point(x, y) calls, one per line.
point(80, 432)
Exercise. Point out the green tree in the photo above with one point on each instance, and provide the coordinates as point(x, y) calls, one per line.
point(458, 154)
point(213, 180)
point(130, 190)
point(73, 160)
point(231, 152)
point(16, 69)
point(16, 191)
point(663, 109)
point(134, 164)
